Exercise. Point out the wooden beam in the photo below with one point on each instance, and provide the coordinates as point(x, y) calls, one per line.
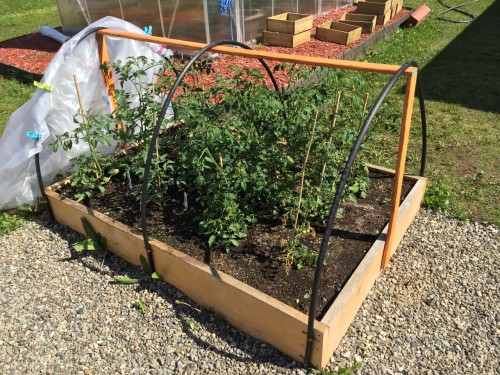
point(281, 57)
point(411, 82)
point(106, 75)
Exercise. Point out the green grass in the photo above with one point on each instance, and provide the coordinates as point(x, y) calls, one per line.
point(20, 18)
point(459, 65)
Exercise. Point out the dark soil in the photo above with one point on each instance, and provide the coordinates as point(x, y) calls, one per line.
point(258, 260)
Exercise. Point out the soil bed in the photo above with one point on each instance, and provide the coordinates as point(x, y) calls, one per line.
point(257, 261)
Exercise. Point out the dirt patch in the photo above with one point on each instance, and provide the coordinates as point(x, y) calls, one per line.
point(258, 260)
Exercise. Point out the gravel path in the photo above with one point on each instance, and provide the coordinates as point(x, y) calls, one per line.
point(434, 310)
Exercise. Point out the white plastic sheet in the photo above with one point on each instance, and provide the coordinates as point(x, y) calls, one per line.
point(51, 113)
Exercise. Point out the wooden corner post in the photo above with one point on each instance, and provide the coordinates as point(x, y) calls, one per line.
point(106, 74)
point(411, 82)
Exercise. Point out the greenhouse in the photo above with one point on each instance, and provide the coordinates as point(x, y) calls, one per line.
point(193, 20)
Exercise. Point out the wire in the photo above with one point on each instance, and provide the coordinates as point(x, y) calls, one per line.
point(455, 9)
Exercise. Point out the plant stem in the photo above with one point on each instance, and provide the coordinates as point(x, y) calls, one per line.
point(87, 128)
point(364, 109)
point(304, 171)
point(330, 135)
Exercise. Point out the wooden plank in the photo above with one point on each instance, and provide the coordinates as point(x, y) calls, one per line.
point(282, 57)
point(401, 161)
point(365, 21)
point(246, 308)
point(378, 7)
point(107, 76)
point(382, 19)
point(345, 307)
point(285, 40)
point(338, 32)
point(290, 23)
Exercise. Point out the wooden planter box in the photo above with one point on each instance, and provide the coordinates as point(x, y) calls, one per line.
point(382, 19)
point(365, 21)
point(396, 7)
point(378, 7)
point(337, 32)
point(285, 40)
point(290, 23)
point(246, 308)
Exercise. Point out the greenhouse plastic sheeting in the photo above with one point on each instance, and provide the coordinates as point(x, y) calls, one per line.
point(193, 20)
point(50, 113)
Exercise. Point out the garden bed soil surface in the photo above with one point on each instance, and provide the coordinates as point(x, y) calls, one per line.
point(258, 260)
point(32, 53)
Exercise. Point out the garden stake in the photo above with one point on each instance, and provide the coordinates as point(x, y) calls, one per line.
point(304, 171)
point(364, 108)
point(85, 123)
point(330, 136)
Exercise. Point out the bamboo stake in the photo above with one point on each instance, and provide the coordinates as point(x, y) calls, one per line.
point(304, 171)
point(364, 109)
point(85, 123)
point(330, 136)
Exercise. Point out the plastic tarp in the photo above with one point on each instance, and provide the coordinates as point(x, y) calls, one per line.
point(50, 113)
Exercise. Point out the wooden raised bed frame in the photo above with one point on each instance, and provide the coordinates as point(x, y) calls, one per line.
point(290, 23)
point(246, 308)
point(337, 32)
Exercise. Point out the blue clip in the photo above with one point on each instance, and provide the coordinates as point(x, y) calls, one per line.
point(148, 30)
point(33, 135)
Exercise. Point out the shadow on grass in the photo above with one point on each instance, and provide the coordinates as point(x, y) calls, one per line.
point(466, 71)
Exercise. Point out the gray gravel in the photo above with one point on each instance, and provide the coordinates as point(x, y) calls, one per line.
point(434, 310)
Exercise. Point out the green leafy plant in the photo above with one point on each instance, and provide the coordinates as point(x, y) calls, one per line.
point(9, 223)
point(130, 280)
point(141, 306)
point(95, 240)
point(437, 197)
point(240, 150)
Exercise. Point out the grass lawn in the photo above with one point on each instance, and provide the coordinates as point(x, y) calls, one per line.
point(458, 63)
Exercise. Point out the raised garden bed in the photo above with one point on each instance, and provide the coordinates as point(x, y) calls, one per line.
point(245, 307)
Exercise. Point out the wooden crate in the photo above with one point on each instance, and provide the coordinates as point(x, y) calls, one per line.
point(396, 7)
point(290, 23)
point(285, 40)
point(382, 19)
point(246, 308)
point(378, 7)
point(338, 32)
point(367, 22)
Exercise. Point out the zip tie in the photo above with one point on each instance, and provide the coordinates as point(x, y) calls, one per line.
point(34, 135)
point(43, 86)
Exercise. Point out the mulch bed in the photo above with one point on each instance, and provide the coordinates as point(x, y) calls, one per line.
point(32, 53)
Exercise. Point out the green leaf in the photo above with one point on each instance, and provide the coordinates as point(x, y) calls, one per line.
point(192, 325)
point(125, 280)
point(85, 245)
point(155, 276)
point(211, 240)
point(145, 264)
point(234, 242)
point(142, 306)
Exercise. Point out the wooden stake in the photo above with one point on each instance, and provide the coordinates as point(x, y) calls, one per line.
point(85, 123)
point(364, 109)
point(304, 171)
point(411, 82)
point(330, 136)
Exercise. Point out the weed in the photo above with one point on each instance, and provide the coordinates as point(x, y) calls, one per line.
point(9, 223)
point(436, 197)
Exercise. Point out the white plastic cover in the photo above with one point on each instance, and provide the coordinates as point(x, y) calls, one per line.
point(50, 113)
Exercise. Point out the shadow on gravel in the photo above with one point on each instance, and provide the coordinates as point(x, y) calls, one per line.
point(189, 314)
